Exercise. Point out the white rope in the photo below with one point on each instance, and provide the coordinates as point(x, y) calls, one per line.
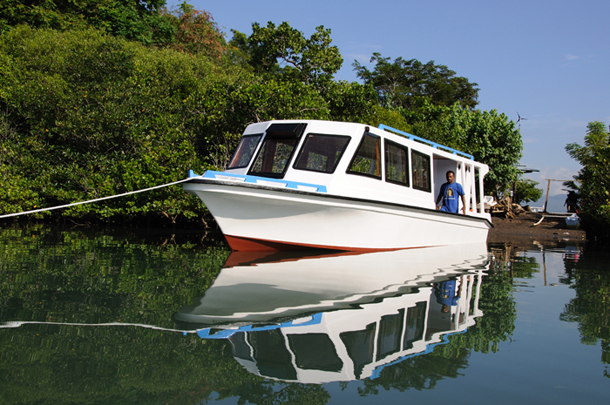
point(97, 199)
point(16, 324)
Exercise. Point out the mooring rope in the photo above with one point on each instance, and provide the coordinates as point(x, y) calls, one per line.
point(97, 199)
point(16, 324)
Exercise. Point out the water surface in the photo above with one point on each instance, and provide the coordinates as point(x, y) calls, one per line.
point(107, 316)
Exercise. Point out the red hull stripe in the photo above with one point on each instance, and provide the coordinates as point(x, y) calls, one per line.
point(255, 258)
point(240, 244)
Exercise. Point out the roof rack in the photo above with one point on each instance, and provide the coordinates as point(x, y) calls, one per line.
point(425, 141)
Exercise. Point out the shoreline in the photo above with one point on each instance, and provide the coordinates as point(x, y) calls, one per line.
point(530, 226)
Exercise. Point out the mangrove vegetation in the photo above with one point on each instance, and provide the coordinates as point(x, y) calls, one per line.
point(99, 98)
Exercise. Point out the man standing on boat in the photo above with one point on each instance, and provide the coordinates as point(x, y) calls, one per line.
point(449, 193)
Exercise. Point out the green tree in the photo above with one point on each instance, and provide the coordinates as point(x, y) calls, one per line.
point(138, 20)
point(197, 32)
point(526, 191)
point(284, 56)
point(285, 52)
point(407, 83)
point(350, 101)
point(86, 115)
point(393, 117)
point(594, 179)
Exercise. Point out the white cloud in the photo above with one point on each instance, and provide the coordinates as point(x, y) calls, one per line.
point(571, 57)
point(558, 175)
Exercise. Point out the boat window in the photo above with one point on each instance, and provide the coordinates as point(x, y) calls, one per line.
point(367, 161)
point(278, 147)
point(245, 150)
point(420, 168)
point(416, 317)
point(271, 354)
point(359, 346)
point(314, 351)
point(240, 347)
point(321, 153)
point(390, 332)
point(396, 163)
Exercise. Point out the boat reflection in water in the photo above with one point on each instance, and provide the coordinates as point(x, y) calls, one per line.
point(339, 317)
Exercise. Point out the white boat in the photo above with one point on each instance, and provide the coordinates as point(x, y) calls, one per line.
point(339, 317)
point(341, 186)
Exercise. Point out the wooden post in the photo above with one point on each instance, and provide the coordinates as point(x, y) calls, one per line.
point(546, 201)
point(548, 188)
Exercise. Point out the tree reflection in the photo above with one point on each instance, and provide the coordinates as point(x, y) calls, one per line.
point(447, 361)
point(589, 276)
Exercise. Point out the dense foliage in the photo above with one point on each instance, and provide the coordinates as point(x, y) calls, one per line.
point(86, 115)
point(138, 20)
point(526, 191)
point(408, 83)
point(283, 54)
point(594, 180)
point(102, 98)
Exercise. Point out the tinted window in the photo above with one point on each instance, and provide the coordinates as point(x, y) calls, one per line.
point(416, 317)
point(271, 354)
point(240, 347)
point(315, 351)
point(359, 346)
point(396, 163)
point(278, 146)
point(390, 332)
point(273, 157)
point(420, 171)
point(245, 150)
point(321, 153)
point(367, 160)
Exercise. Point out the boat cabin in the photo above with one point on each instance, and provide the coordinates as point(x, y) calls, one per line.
point(356, 160)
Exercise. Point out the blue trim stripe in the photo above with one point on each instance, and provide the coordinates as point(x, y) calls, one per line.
point(227, 333)
point(433, 144)
point(210, 174)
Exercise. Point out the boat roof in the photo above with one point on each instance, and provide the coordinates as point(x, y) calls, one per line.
point(439, 149)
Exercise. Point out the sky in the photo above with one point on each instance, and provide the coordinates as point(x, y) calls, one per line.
point(546, 61)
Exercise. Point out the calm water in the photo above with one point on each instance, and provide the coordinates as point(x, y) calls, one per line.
point(149, 317)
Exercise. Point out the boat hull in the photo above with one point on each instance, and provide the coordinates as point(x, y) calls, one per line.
point(262, 291)
point(255, 217)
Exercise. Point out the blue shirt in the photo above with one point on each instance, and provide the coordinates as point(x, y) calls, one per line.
point(450, 193)
point(446, 294)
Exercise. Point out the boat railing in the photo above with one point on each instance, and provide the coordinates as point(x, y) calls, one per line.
point(245, 178)
point(425, 141)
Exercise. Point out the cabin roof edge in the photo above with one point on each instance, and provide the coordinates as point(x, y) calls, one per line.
point(425, 141)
